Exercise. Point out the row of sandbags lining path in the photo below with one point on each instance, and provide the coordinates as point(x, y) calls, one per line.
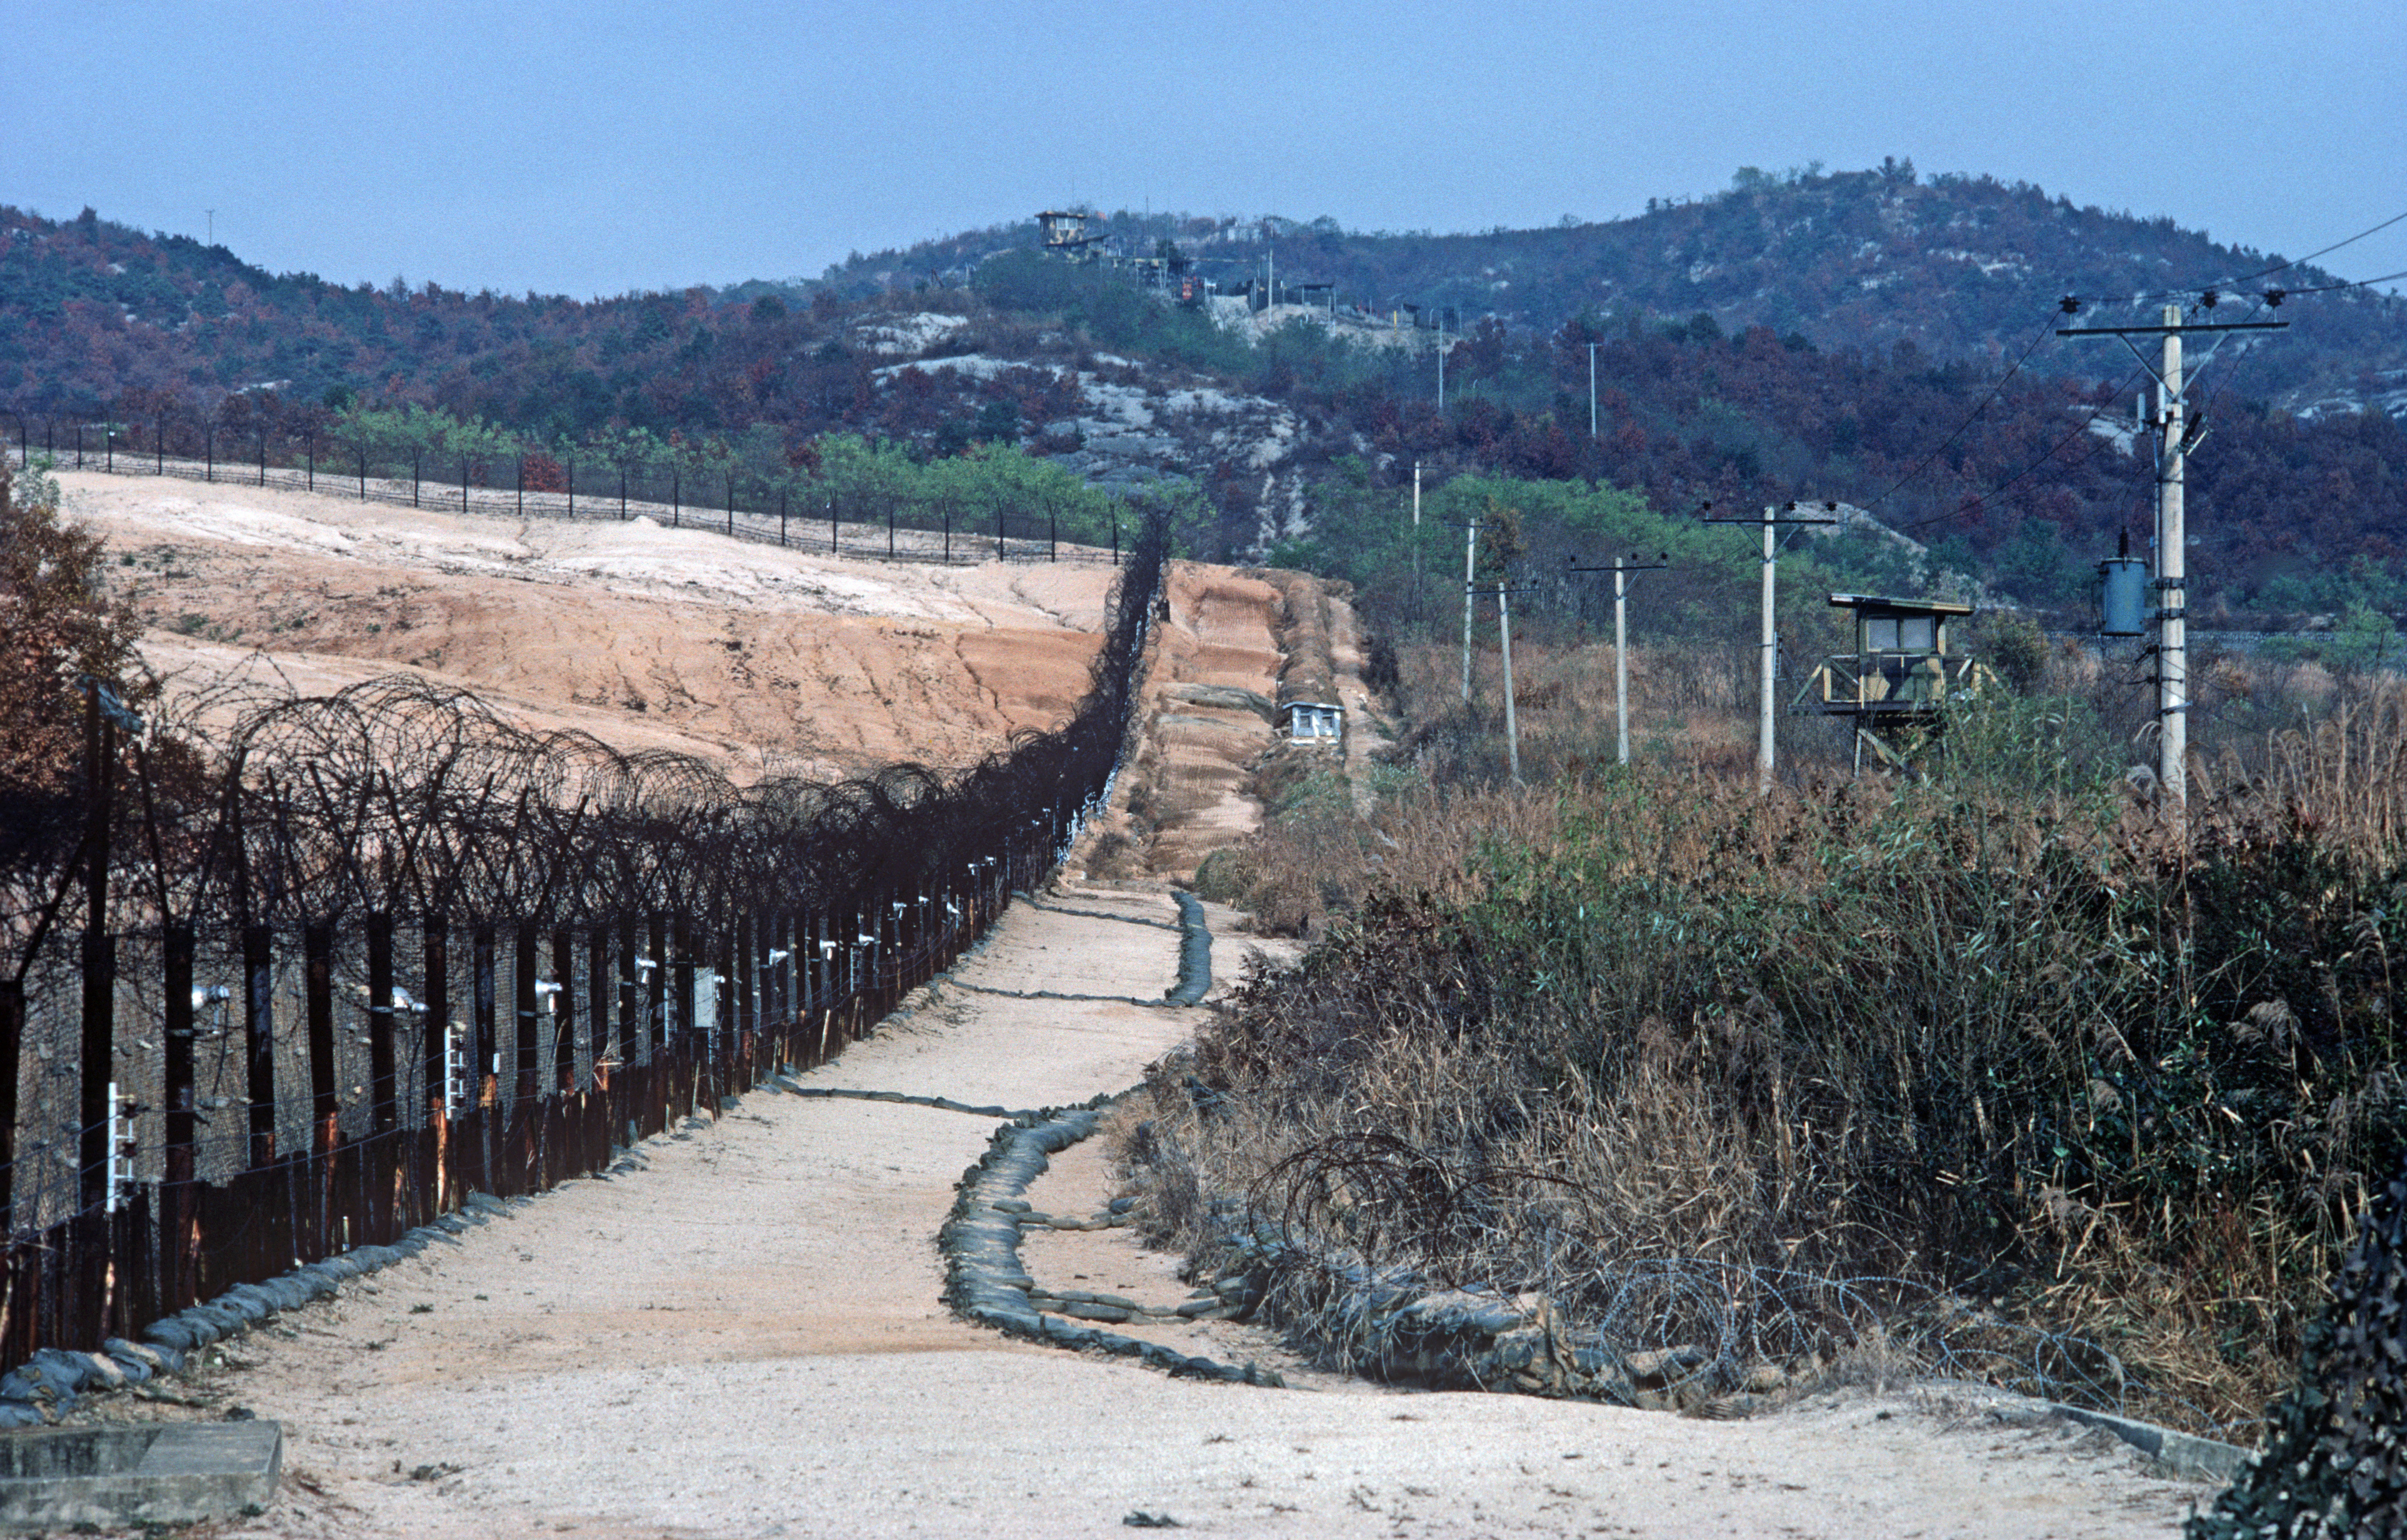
point(746, 1339)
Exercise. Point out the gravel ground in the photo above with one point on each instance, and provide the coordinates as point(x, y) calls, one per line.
point(746, 1340)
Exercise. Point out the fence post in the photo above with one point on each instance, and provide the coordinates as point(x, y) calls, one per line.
point(486, 1067)
point(571, 478)
point(12, 1046)
point(623, 492)
point(832, 547)
point(781, 516)
point(259, 1027)
point(435, 1047)
point(210, 452)
point(1052, 535)
point(318, 987)
point(747, 975)
point(159, 447)
point(463, 483)
point(727, 1009)
point(685, 964)
point(384, 1087)
point(998, 532)
point(731, 502)
point(658, 936)
point(624, 1037)
point(108, 446)
point(262, 454)
point(310, 448)
point(98, 1110)
point(563, 1011)
point(889, 530)
point(676, 498)
point(597, 1000)
point(364, 472)
point(525, 953)
point(417, 466)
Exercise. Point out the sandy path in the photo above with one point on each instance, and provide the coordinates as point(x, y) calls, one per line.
point(746, 1340)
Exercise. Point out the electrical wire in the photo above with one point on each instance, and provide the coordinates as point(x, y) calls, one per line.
point(1965, 426)
point(2326, 251)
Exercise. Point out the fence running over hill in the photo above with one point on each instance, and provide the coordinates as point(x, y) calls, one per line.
point(784, 511)
point(394, 949)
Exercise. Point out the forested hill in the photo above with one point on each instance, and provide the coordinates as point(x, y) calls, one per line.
point(1848, 336)
point(1962, 266)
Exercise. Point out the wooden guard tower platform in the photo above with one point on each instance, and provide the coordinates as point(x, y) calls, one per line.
point(1064, 234)
point(1897, 678)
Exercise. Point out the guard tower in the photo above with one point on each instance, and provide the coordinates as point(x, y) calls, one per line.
point(1064, 234)
point(1899, 678)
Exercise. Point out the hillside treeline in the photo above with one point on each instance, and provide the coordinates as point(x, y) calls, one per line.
point(2005, 482)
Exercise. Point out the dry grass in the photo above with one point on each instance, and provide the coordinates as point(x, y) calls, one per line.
point(2086, 1070)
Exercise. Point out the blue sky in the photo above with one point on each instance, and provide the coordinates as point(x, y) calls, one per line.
point(598, 147)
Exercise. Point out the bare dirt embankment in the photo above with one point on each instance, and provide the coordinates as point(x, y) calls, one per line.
point(645, 636)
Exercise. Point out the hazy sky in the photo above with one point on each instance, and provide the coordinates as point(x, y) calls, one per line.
point(594, 149)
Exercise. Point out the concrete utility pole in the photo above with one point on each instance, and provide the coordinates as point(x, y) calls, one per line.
point(1622, 572)
point(2176, 433)
point(1766, 755)
point(2173, 625)
point(1469, 575)
point(1470, 559)
point(1504, 592)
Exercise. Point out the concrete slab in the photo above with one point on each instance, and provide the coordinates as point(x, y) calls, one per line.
point(168, 1473)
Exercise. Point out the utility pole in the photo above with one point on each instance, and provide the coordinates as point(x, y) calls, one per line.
point(1417, 538)
point(1504, 592)
point(2176, 434)
point(1470, 577)
point(1441, 369)
point(1470, 559)
point(1622, 571)
point(1773, 520)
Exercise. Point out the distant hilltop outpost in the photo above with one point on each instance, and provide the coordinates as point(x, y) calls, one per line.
point(1259, 302)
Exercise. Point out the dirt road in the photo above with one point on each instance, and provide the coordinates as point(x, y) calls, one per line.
point(745, 1339)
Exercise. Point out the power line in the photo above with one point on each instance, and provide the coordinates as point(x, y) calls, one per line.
point(2326, 251)
point(1965, 426)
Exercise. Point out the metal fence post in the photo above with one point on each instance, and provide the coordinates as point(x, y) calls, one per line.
point(435, 1047)
point(98, 1109)
point(563, 1011)
point(12, 1044)
point(485, 1069)
point(525, 954)
point(318, 988)
point(259, 1027)
point(384, 1090)
point(659, 937)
